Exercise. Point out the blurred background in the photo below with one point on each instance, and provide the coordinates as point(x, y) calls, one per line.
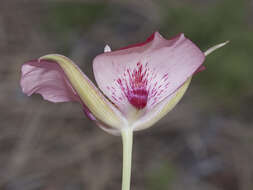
point(205, 143)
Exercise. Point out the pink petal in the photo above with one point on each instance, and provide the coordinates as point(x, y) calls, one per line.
point(48, 79)
point(142, 75)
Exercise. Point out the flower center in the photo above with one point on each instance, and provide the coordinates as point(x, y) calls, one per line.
point(141, 86)
point(135, 88)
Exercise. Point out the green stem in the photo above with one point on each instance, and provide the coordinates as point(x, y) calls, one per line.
point(127, 139)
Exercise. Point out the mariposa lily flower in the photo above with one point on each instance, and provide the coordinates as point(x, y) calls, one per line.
point(139, 84)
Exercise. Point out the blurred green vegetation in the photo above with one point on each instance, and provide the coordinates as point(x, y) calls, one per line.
point(162, 177)
point(68, 21)
point(76, 17)
point(229, 70)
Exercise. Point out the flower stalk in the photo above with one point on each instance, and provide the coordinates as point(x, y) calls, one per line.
point(127, 140)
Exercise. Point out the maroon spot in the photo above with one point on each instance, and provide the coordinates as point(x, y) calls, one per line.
point(138, 98)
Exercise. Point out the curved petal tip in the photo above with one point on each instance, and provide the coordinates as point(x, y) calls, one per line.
point(210, 50)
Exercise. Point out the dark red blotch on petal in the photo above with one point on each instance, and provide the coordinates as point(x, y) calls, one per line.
point(138, 98)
